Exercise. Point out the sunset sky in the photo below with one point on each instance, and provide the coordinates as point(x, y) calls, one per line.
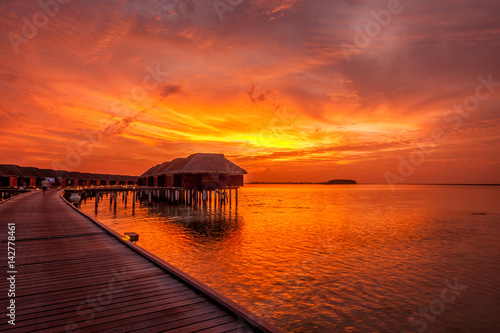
point(291, 90)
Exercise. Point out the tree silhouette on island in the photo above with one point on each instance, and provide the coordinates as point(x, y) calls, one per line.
point(330, 182)
point(340, 182)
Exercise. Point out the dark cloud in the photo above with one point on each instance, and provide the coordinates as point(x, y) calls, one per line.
point(258, 93)
point(170, 89)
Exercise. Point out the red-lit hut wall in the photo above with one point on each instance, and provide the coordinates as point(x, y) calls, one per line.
point(13, 182)
point(236, 180)
point(192, 181)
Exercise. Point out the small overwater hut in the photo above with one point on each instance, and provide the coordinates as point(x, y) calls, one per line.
point(13, 176)
point(32, 176)
point(197, 171)
point(10, 175)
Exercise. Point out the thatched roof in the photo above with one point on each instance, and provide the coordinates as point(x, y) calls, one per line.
point(86, 176)
point(62, 173)
point(48, 173)
point(96, 176)
point(9, 170)
point(130, 178)
point(165, 168)
point(208, 163)
point(101, 176)
point(116, 178)
point(196, 164)
point(30, 172)
point(158, 170)
point(151, 170)
point(74, 175)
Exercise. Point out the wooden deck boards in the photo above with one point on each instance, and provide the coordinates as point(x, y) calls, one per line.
point(71, 275)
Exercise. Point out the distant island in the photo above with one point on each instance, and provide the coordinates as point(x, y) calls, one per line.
point(330, 182)
point(294, 183)
point(340, 182)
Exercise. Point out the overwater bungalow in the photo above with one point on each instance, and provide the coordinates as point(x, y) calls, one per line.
point(198, 171)
point(48, 174)
point(75, 178)
point(96, 180)
point(31, 176)
point(10, 175)
point(106, 179)
point(86, 179)
point(115, 180)
point(62, 177)
point(16, 176)
point(130, 180)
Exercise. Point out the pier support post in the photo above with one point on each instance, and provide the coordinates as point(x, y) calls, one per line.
point(97, 200)
point(205, 197)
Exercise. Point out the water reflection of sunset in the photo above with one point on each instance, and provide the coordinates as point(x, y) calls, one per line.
point(317, 257)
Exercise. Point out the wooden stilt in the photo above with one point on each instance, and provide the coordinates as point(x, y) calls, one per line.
point(205, 197)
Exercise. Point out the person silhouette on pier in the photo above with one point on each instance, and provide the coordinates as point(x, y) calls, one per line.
point(45, 185)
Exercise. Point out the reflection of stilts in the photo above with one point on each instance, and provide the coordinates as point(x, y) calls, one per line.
point(223, 197)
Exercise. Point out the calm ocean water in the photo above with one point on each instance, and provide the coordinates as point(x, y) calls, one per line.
point(342, 258)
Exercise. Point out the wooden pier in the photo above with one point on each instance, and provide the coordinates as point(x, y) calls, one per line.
point(6, 192)
point(72, 274)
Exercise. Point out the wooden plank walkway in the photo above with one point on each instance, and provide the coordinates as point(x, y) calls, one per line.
point(74, 276)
